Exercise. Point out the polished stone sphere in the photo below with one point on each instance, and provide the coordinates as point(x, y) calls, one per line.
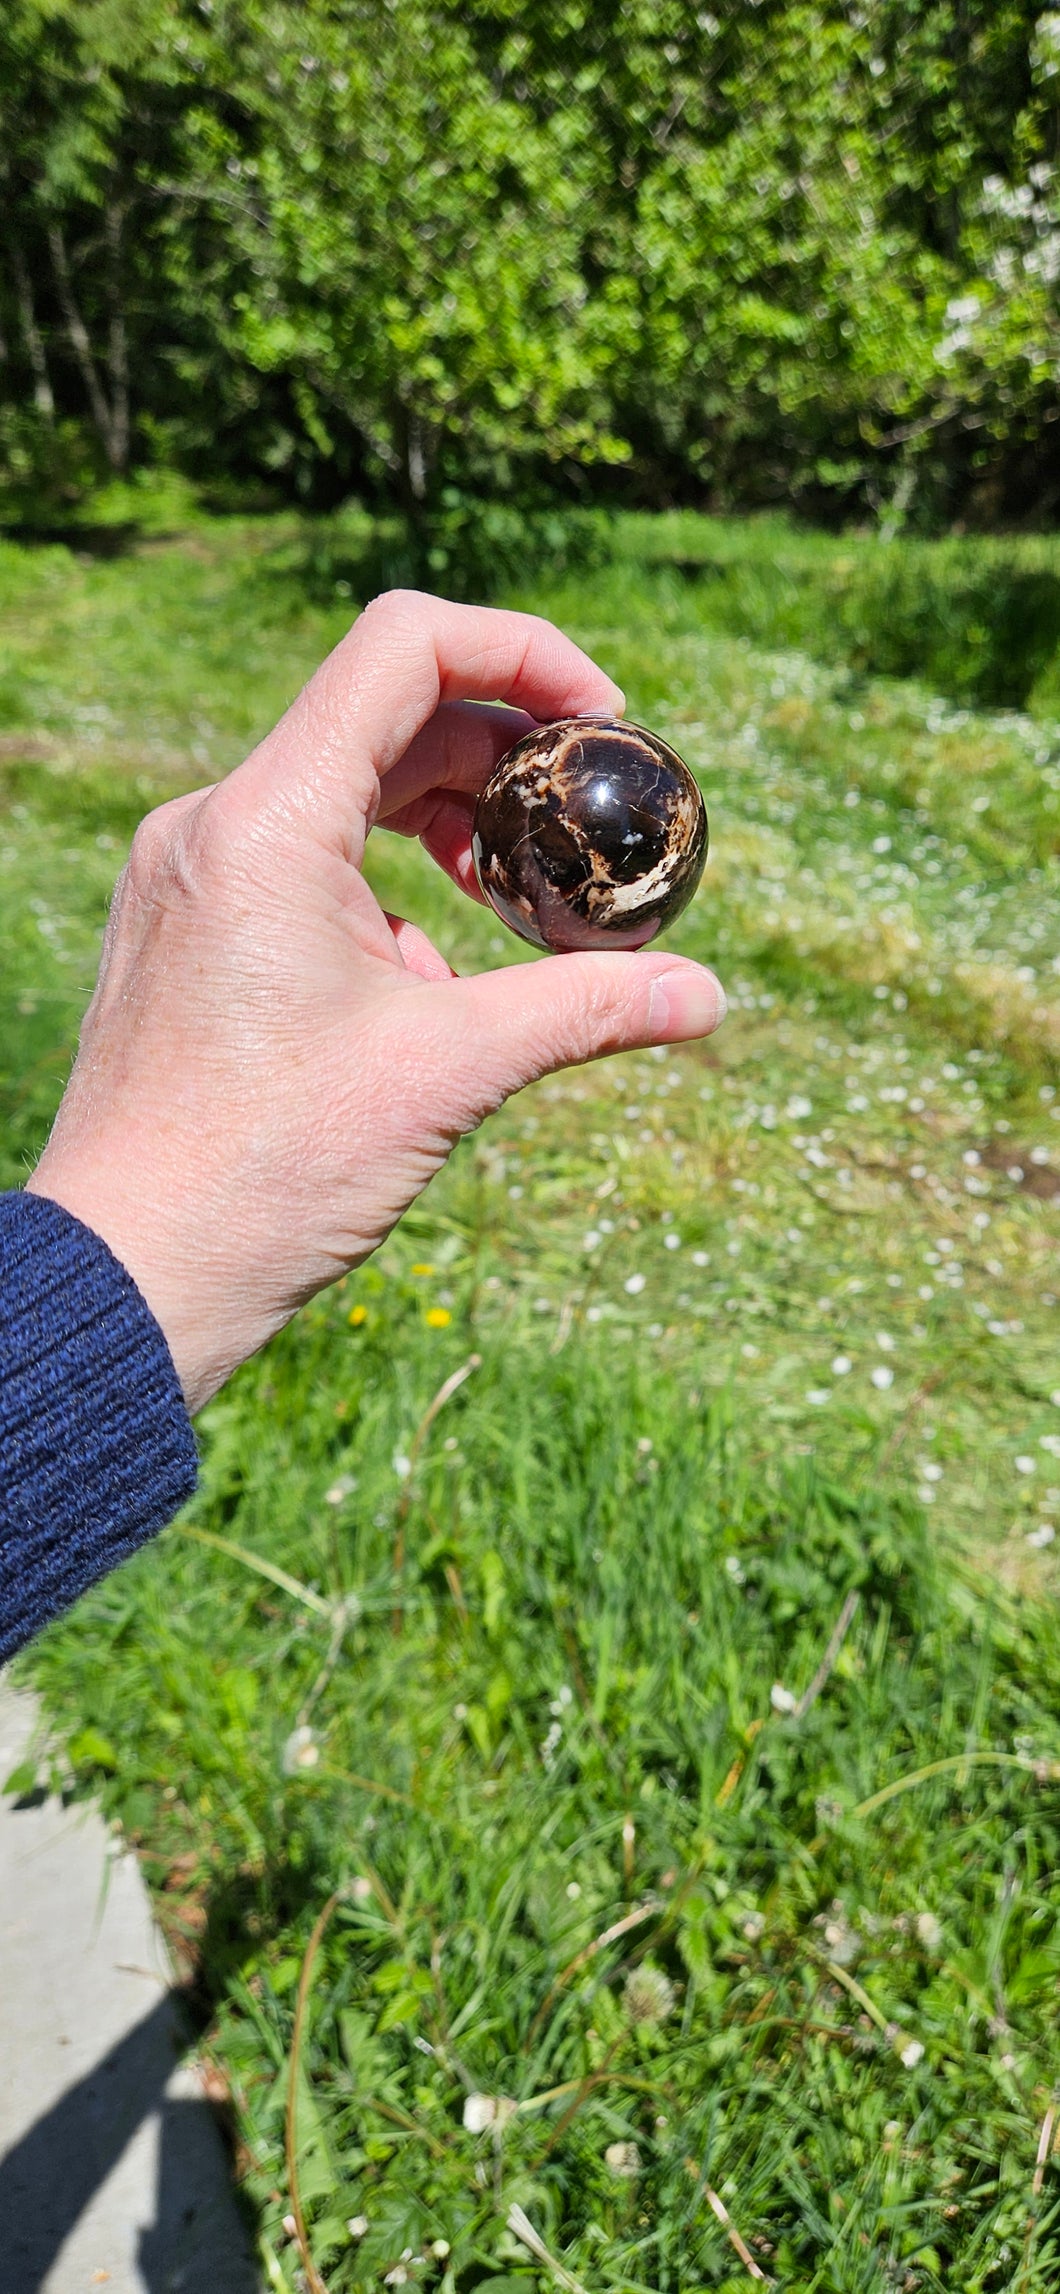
point(590, 833)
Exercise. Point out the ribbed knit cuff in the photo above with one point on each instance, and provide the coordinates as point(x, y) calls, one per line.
point(96, 1447)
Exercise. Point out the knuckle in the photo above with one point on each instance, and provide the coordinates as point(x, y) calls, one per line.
point(395, 607)
point(167, 863)
point(611, 1006)
point(145, 855)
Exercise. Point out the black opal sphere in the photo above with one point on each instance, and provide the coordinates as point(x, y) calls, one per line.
point(590, 833)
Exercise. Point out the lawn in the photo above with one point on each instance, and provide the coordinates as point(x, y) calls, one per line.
point(667, 1720)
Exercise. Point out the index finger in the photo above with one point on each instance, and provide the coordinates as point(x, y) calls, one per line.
point(406, 653)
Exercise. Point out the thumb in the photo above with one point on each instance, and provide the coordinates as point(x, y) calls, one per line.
point(502, 1030)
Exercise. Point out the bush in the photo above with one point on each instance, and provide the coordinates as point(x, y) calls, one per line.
point(977, 620)
point(466, 548)
point(978, 624)
point(46, 468)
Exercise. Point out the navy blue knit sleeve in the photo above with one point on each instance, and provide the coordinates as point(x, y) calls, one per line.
point(96, 1448)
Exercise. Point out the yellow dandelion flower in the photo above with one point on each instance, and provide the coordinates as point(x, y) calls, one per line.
point(357, 1315)
point(421, 1267)
point(437, 1317)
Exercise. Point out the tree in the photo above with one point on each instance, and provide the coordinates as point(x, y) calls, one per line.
point(791, 250)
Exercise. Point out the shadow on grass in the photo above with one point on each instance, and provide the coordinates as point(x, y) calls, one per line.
point(100, 541)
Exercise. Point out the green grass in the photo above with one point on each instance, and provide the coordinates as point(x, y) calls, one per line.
point(619, 1553)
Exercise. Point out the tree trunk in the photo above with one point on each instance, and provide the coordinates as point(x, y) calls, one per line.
point(118, 345)
point(78, 333)
point(416, 459)
point(43, 398)
point(412, 473)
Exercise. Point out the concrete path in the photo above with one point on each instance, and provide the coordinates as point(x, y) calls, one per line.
point(112, 2169)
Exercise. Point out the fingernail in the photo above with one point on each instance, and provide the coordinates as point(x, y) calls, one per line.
point(685, 1003)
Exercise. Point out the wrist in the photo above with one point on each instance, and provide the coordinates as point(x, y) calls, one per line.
point(203, 1353)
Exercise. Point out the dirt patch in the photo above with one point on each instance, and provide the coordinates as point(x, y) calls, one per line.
point(26, 748)
point(1019, 1165)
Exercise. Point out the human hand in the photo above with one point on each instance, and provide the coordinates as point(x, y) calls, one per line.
point(271, 1069)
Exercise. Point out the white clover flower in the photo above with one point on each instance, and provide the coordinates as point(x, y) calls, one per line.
point(1042, 1536)
point(634, 1284)
point(482, 2111)
point(929, 1931)
point(357, 2225)
point(1050, 1442)
point(648, 1995)
point(842, 1941)
point(671, 1242)
point(841, 1365)
point(622, 2158)
point(912, 2053)
point(439, 2248)
point(1025, 1465)
point(781, 1698)
point(343, 1488)
point(302, 1750)
point(819, 1395)
point(402, 1465)
point(882, 1377)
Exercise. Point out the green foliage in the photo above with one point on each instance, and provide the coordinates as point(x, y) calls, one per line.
point(630, 1534)
point(782, 253)
point(46, 468)
point(978, 620)
point(630, 1767)
point(983, 626)
point(466, 548)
